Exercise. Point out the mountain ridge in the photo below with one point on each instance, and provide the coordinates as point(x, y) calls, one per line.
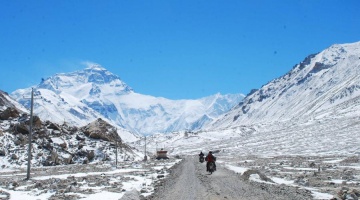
point(312, 89)
point(85, 95)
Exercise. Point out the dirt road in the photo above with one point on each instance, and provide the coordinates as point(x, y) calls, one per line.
point(190, 181)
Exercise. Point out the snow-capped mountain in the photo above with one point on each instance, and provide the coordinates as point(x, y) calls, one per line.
point(324, 85)
point(83, 96)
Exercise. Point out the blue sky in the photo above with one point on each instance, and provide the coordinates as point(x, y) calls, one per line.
point(174, 49)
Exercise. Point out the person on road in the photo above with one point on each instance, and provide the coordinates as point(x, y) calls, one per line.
point(201, 154)
point(201, 157)
point(210, 158)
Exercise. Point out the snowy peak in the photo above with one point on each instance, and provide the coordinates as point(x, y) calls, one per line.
point(323, 85)
point(99, 75)
point(86, 95)
point(91, 79)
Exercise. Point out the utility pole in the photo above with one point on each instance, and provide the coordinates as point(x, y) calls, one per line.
point(30, 134)
point(116, 154)
point(145, 157)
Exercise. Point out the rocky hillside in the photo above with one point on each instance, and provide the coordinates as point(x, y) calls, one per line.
point(324, 85)
point(56, 144)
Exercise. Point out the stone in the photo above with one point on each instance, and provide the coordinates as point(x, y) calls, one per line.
point(86, 161)
point(14, 157)
point(100, 129)
point(79, 138)
point(9, 113)
point(21, 128)
point(131, 195)
point(53, 126)
point(63, 145)
point(2, 152)
point(91, 155)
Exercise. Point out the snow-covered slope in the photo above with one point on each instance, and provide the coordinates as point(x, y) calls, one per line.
point(324, 85)
point(7, 102)
point(83, 96)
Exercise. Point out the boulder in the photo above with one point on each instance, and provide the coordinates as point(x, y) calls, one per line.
point(68, 160)
point(20, 140)
point(2, 152)
point(86, 160)
point(21, 128)
point(52, 159)
point(79, 138)
point(53, 126)
point(246, 175)
point(14, 157)
point(63, 145)
point(91, 155)
point(131, 195)
point(100, 129)
point(37, 122)
point(9, 113)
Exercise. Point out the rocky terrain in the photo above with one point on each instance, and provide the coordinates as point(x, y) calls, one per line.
point(327, 177)
point(69, 162)
point(89, 181)
point(54, 144)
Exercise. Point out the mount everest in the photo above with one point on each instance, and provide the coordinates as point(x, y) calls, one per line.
point(83, 96)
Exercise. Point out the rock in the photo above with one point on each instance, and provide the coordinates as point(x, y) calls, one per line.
point(38, 185)
point(354, 197)
point(15, 184)
point(42, 133)
point(63, 145)
point(21, 128)
point(71, 188)
point(53, 126)
point(81, 145)
point(91, 155)
point(160, 176)
point(356, 192)
point(2, 152)
point(86, 160)
point(56, 132)
point(14, 157)
point(4, 194)
point(36, 122)
point(47, 145)
point(100, 129)
point(79, 138)
point(52, 159)
point(68, 160)
point(131, 195)
point(9, 113)
point(312, 164)
point(17, 142)
point(246, 175)
point(82, 153)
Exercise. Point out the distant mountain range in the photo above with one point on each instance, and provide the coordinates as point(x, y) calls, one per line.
point(324, 85)
point(83, 96)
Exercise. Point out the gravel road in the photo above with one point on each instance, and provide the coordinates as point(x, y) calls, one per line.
point(190, 181)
